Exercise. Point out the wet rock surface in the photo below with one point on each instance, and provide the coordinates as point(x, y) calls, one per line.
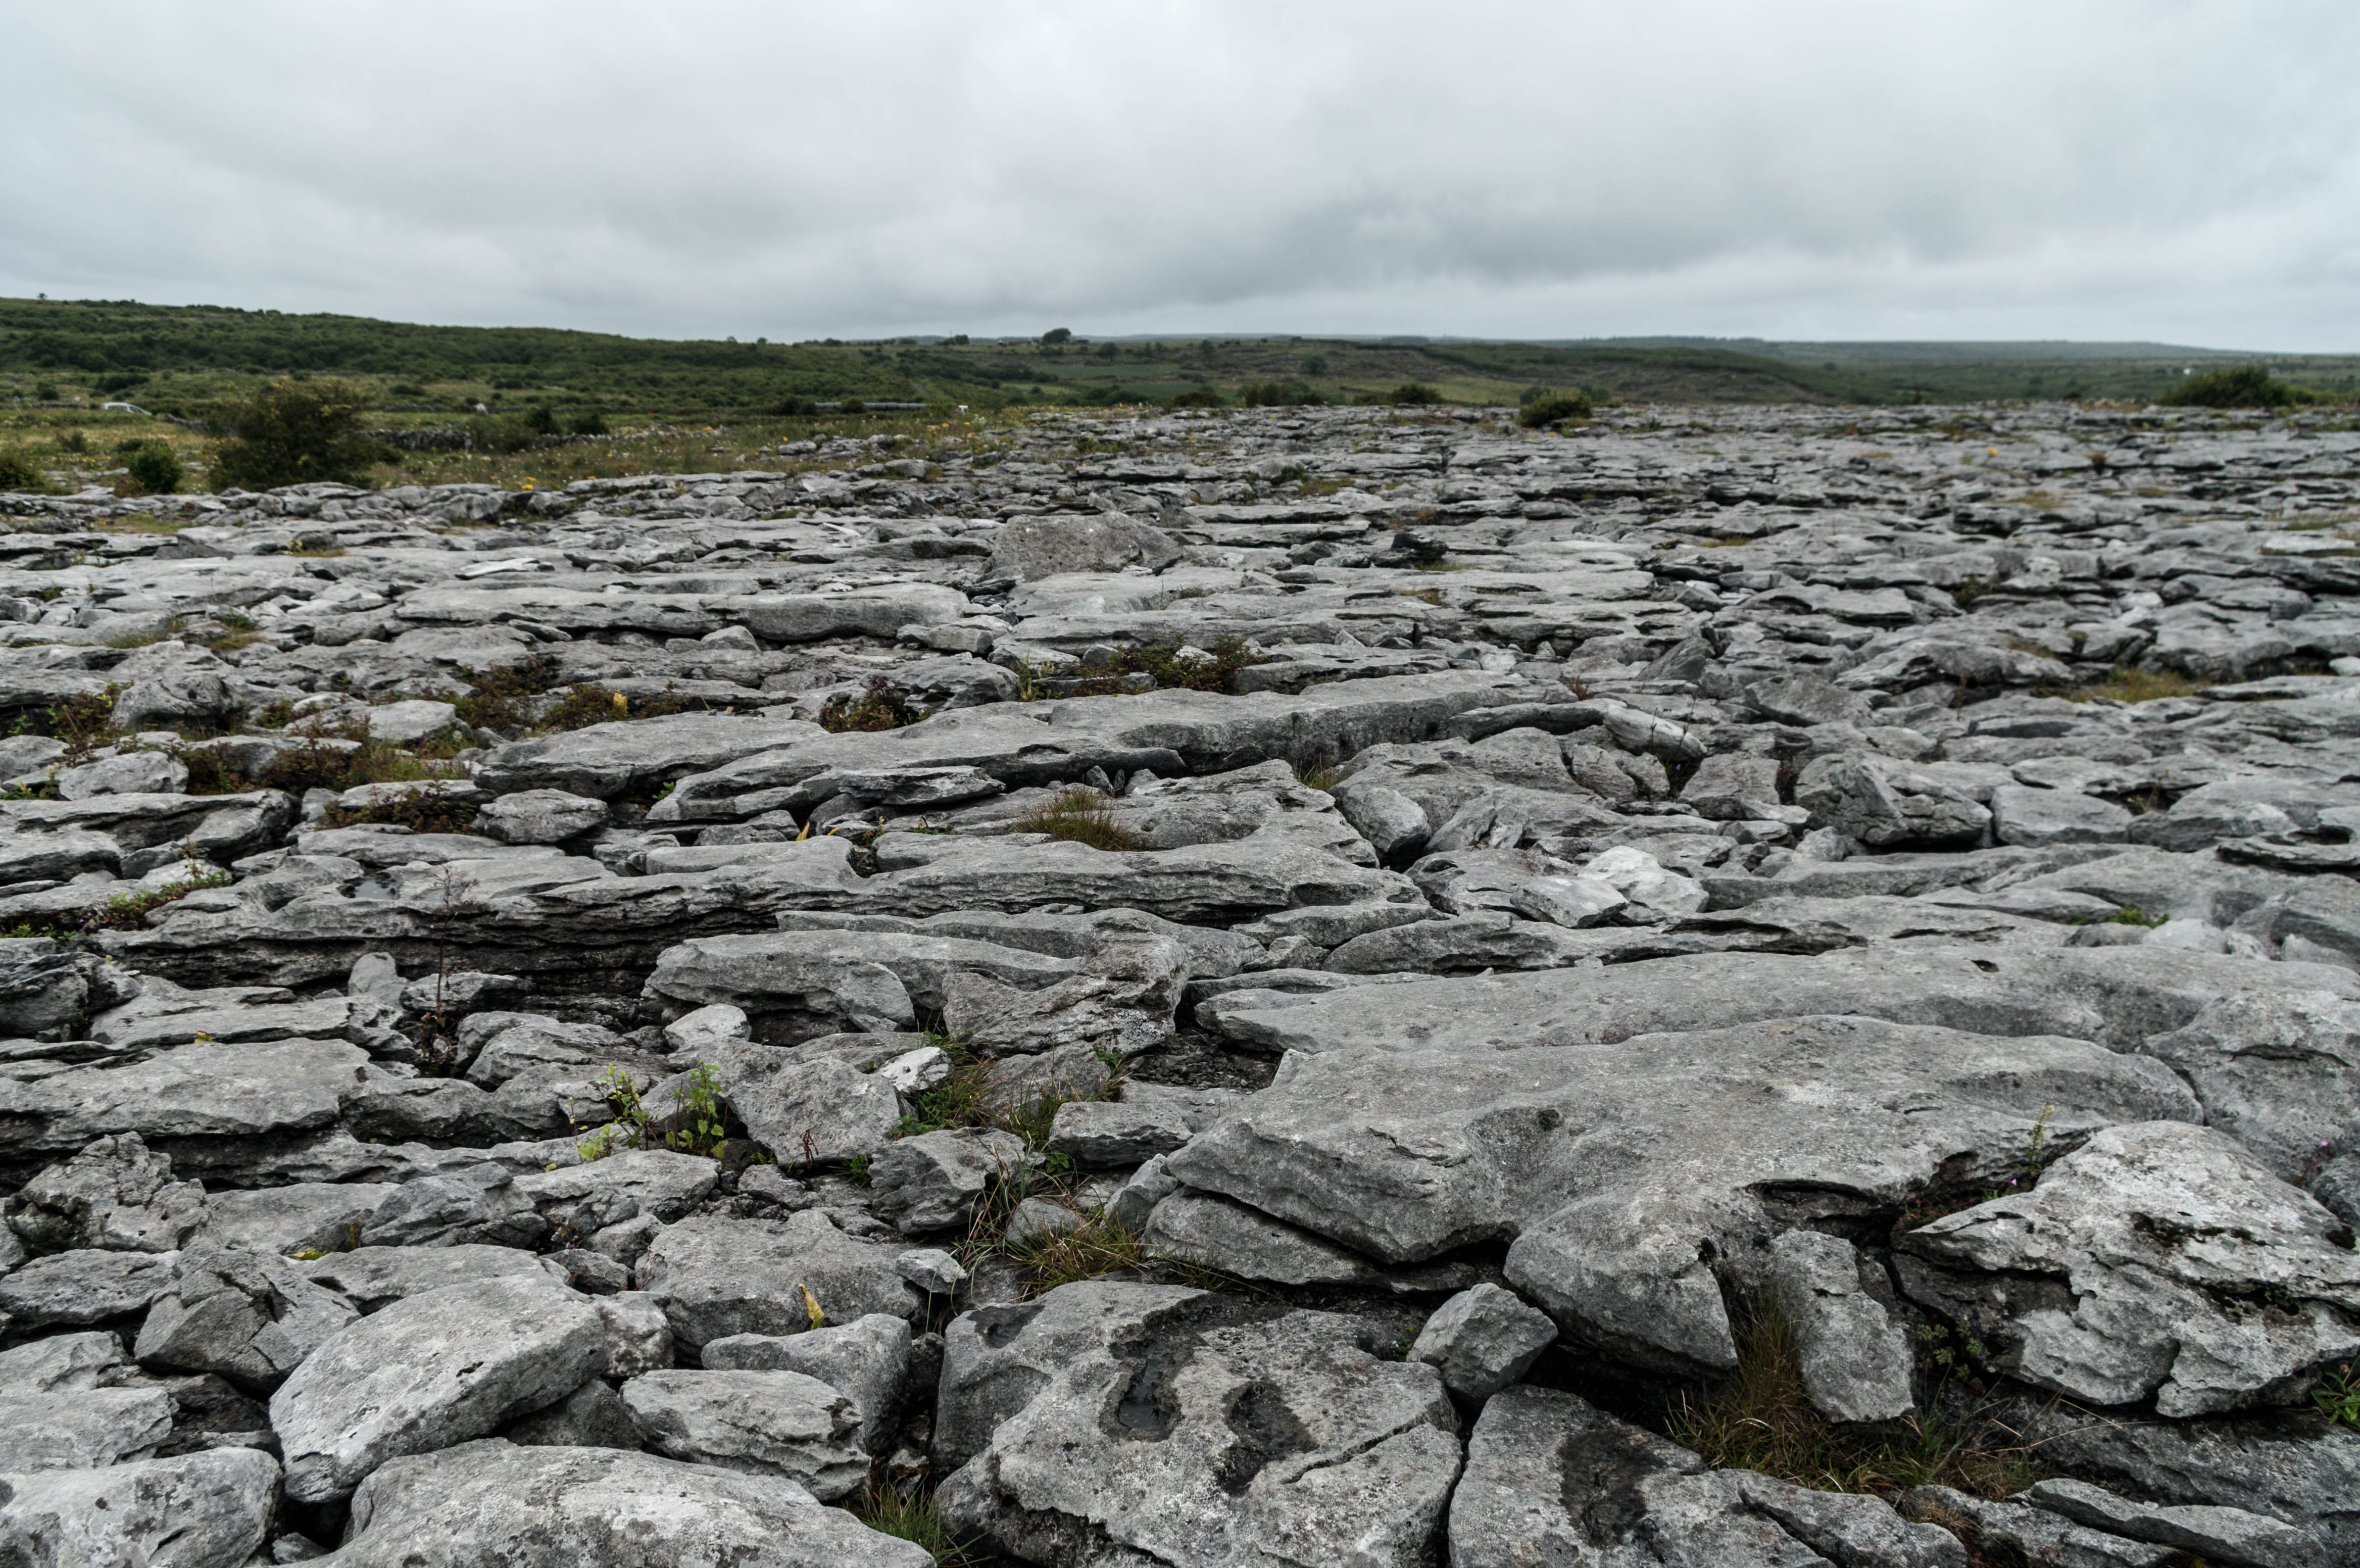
point(1371, 956)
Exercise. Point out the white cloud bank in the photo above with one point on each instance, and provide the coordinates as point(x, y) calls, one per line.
point(2181, 172)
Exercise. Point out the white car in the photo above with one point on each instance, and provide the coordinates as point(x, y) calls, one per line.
point(122, 408)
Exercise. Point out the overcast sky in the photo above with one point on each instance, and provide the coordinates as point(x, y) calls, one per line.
point(2187, 172)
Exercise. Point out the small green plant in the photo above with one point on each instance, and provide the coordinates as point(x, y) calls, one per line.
point(503, 695)
point(1078, 815)
point(2338, 1397)
point(1555, 408)
point(856, 1170)
point(2034, 1157)
point(1969, 590)
point(2132, 915)
point(127, 910)
point(72, 441)
point(696, 1124)
point(155, 469)
point(883, 706)
point(1947, 1351)
point(913, 1515)
point(316, 551)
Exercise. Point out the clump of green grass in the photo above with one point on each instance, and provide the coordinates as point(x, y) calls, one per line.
point(913, 1515)
point(1078, 815)
point(1316, 776)
point(1096, 1247)
point(584, 705)
point(1762, 1419)
point(2123, 684)
point(883, 706)
point(2132, 915)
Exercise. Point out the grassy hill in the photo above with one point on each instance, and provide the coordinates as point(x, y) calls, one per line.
point(182, 358)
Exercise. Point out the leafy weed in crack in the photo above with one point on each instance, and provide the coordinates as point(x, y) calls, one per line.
point(883, 705)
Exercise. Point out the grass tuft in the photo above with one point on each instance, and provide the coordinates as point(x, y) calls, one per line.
point(913, 1515)
point(1078, 817)
point(1762, 1419)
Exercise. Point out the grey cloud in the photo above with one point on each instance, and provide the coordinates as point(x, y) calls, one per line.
point(2096, 170)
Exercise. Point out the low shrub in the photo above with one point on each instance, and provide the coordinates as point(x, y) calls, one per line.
point(1555, 408)
point(1278, 395)
point(1413, 394)
point(1168, 665)
point(21, 474)
point(793, 406)
point(154, 469)
point(427, 810)
point(1196, 397)
point(126, 910)
point(503, 693)
point(883, 705)
point(2244, 387)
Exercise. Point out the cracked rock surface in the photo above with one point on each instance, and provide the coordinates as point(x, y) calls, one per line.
point(1289, 986)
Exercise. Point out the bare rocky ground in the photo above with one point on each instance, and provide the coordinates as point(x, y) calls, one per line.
point(1647, 888)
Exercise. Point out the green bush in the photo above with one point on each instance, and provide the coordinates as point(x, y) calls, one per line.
point(1196, 397)
point(1555, 408)
point(794, 406)
point(19, 472)
point(154, 471)
point(2245, 387)
point(1058, 334)
point(294, 433)
point(1413, 394)
point(591, 424)
point(883, 705)
point(1278, 395)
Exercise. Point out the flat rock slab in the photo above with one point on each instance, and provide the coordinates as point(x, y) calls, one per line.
point(764, 1422)
point(715, 1276)
point(598, 1507)
point(1176, 1427)
point(204, 1089)
point(1620, 1168)
point(430, 1371)
point(1552, 1479)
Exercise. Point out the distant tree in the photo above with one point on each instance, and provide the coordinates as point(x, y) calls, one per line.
point(1412, 394)
point(1058, 334)
point(292, 433)
point(1196, 397)
point(1314, 364)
